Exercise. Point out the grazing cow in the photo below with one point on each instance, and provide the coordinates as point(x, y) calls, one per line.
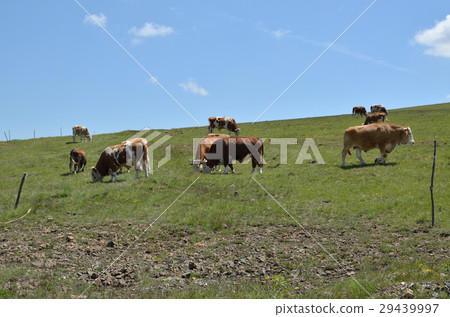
point(77, 160)
point(378, 108)
point(375, 117)
point(82, 132)
point(223, 122)
point(225, 150)
point(203, 147)
point(384, 136)
point(126, 154)
point(359, 110)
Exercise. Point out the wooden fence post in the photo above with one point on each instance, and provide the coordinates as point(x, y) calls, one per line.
point(431, 187)
point(20, 189)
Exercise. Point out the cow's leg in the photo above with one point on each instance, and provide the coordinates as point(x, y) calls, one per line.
point(70, 165)
point(344, 154)
point(74, 135)
point(226, 169)
point(358, 155)
point(382, 158)
point(232, 169)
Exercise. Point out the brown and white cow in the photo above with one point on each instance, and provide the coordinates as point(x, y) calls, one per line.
point(225, 150)
point(359, 110)
point(375, 117)
point(82, 132)
point(77, 160)
point(378, 108)
point(204, 147)
point(384, 136)
point(128, 153)
point(223, 123)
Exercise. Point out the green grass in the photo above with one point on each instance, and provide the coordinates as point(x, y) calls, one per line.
point(374, 219)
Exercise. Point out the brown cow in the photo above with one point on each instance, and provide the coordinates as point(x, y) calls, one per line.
point(81, 131)
point(223, 122)
point(226, 150)
point(375, 117)
point(384, 136)
point(77, 160)
point(203, 147)
point(126, 154)
point(378, 108)
point(359, 110)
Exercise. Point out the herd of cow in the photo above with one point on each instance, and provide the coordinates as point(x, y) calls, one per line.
point(221, 149)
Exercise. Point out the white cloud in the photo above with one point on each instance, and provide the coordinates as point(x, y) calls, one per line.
point(280, 33)
point(448, 96)
point(96, 19)
point(438, 38)
point(277, 33)
point(193, 87)
point(151, 30)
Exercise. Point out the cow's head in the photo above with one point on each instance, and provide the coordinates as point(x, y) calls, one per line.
point(96, 177)
point(197, 165)
point(237, 131)
point(406, 136)
point(90, 137)
point(207, 166)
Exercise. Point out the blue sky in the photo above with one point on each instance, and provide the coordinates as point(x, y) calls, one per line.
point(59, 68)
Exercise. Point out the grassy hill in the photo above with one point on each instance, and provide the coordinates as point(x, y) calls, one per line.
point(224, 236)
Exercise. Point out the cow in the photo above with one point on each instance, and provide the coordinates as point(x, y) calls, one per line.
point(203, 147)
point(225, 150)
point(223, 122)
point(77, 160)
point(384, 136)
point(378, 108)
point(82, 132)
point(375, 117)
point(359, 110)
point(126, 154)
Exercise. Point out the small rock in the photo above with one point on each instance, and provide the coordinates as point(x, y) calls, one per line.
point(408, 293)
point(70, 238)
point(38, 264)
point(122, 283)
point(92, 275)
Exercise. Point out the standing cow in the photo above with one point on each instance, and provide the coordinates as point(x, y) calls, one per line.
point(375, 117)
point(223, 123)
point(225, 150)
point(204, 147)
point(128, 153)
point(378, 108)
point(359, 110)
point(82, 132)
point(77, 160)
point(384, 136)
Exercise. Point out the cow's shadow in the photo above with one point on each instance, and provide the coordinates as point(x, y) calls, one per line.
point(106, 182)
point(71, 142)
point(348, 167)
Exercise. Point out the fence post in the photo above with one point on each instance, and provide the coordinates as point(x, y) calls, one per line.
point(20, 189)
point(431, 187)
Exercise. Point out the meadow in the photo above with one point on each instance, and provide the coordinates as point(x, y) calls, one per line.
point(296, 231)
